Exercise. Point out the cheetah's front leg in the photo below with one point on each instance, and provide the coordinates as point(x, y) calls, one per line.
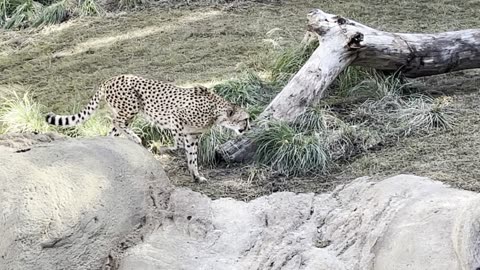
point(191, 148)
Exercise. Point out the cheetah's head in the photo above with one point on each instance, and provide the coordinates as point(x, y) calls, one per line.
point(234, 118)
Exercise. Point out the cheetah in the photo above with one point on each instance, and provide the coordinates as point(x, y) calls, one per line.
point(186, 112)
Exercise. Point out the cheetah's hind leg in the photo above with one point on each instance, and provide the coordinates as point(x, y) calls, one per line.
point(177, 143)
point(121, 124)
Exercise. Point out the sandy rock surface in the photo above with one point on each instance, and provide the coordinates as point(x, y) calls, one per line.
point(106, 202)
point(403, 222)
point(75, 204)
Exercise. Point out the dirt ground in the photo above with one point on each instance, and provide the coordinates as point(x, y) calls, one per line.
point(63, 64)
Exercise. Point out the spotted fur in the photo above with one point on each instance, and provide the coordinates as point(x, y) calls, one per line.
point(187, 112)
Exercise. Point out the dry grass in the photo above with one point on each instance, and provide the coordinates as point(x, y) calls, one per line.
point(63, 64)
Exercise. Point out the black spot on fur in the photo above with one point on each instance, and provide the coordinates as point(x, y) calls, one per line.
point(60, 121)
point(66, 121)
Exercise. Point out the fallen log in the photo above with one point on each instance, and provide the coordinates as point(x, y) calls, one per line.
point(344, 42)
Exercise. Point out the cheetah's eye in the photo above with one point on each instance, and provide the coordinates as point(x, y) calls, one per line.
point(229, 113)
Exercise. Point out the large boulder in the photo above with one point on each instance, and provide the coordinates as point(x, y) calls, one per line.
point(106, 202)
point(403, 222)
point(75, 204)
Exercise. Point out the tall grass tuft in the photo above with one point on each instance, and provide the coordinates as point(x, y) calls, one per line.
point(351, 78)
point(23, 15)
point(209, 142)
point(311, 119)
point(248, 90)
point(18, 14)
point(422, 114)
point(378, 85)
point(290, 60)
point(150, 133)
point(288, 151)
point(22, 114)
point(52, 14)
point(98, 124)
point(89, 8)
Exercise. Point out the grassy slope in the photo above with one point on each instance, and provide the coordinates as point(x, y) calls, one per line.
point(63, 64)
point(188, 46)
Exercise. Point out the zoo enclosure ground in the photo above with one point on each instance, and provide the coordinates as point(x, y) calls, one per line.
point(63, 64)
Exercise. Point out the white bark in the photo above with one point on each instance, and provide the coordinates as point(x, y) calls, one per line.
point(336, 51)
point(344, 42)
point(414, 55)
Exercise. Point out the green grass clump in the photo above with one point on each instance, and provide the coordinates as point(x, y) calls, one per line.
point(248, 90)
point(24, 14)
point(377, 85)
point(255, 111)
point(20, 113)
point(99, 124)
point(290, 60)
point(349, 80)
point(399, 116)
point(15, 14)
point(89, 8)
point(150, 133)
point(209, 142)
point(423, 114)
point(290, 152)
point(52, 14)
point(314, 119)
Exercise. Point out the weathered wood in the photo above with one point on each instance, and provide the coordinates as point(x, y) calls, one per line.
point(344, 42)
point(414, 55)
point(336, 51)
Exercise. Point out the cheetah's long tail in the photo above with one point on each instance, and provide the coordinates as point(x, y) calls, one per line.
point(76, 119)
